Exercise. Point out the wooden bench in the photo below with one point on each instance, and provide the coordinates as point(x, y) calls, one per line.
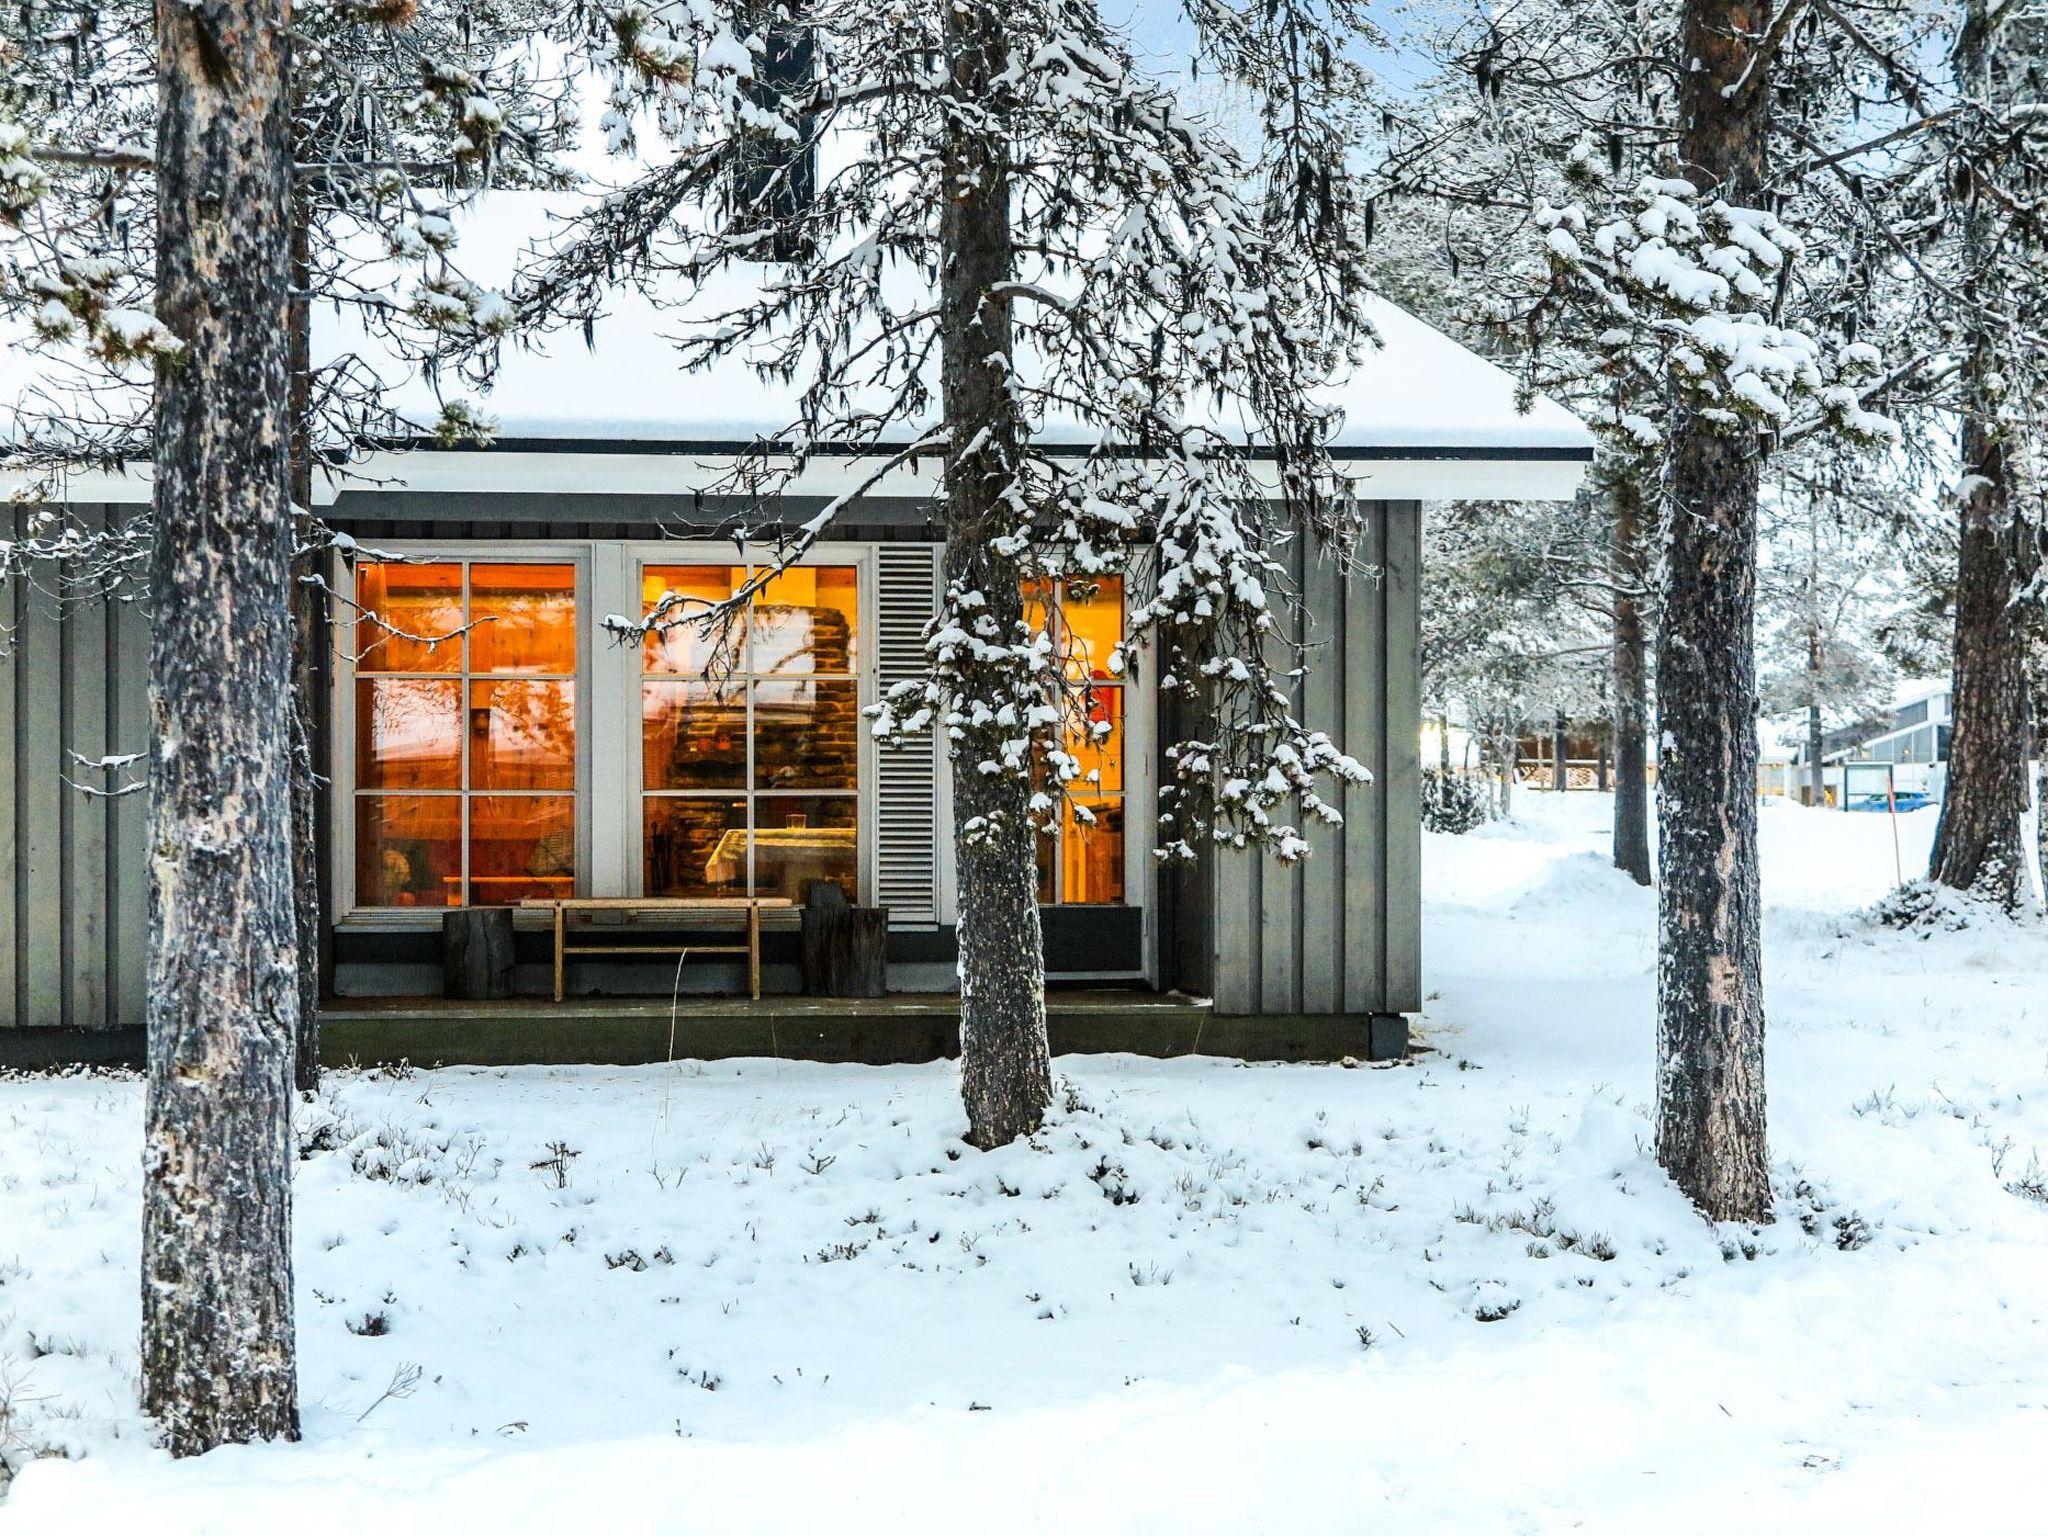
point(751, 906)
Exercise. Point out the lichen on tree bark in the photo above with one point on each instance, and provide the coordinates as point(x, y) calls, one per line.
point(1005, 1068)
point(1710, 1006)
point(217, 1330)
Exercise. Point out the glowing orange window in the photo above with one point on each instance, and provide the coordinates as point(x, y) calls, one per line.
point(750, 731)
point(1083, 862)
point(465, 732)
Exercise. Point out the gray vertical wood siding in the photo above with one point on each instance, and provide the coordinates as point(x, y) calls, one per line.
point(1341, 931)
point(74, 679)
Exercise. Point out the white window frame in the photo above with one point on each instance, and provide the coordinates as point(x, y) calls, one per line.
point(609, 855)
point(637, 555)
point(342, 744)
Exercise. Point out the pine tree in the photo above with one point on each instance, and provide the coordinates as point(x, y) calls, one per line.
point(218, 1357)
point(1980, 845)
point(955, 222)
point(1828, 586)
point(399, 112)
point(180, 192)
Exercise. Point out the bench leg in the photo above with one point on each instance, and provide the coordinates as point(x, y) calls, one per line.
point(561, 937)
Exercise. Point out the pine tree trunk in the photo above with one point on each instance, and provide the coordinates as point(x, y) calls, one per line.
point(1631, 688)
point(217, 1333)
point(1816, 737)
point(1710, 1034)
point(1005, 1064)
point(1980, 845)
point(308, 642)
point(1816, 753)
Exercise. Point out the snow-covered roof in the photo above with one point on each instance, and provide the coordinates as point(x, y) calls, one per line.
point(1913, 691)
point(1419, 394)
point(1419, 398)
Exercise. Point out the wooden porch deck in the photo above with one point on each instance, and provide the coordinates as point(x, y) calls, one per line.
point(907, 1027)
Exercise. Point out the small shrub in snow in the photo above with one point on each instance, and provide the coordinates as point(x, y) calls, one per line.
point(1928, 908)
point(1451, 803)
point(2031, 1185)
point(554, 1168)
point(1492, 1301)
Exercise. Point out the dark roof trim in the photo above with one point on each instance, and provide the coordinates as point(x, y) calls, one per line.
point(1534, 453)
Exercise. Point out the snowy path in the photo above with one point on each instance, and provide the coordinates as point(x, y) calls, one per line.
point(1452, 1296)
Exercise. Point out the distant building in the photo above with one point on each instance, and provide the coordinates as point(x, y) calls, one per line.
point(1912, 736)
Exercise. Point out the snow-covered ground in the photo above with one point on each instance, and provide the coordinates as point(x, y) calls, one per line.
point(1453, 1295)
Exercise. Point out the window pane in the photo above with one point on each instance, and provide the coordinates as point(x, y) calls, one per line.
point(1094, 613)
point(804, 621)
point(409, 850)
point(695, 847)
point(799, 838)
point(1102, 755)
point(420, 600)
point(408, 734)
point(523, 618)
point(683, 649)
point(806, 735)
point(693, 735)
point(522, 735)
point(520, 846)
point(1092, 857)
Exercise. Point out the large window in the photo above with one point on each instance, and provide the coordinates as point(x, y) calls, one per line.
point(1084, 862)
point(465, 738)
point(750, 735)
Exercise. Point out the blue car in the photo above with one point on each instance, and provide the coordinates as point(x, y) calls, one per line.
point(1905, 800)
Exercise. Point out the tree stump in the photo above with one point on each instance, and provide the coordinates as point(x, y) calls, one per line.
point(845, 948)
point(476, 952)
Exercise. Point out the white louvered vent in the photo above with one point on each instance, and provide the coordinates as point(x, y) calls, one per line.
point(906, 818)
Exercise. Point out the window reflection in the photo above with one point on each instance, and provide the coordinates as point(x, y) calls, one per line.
point(409, 618)
point(408, 734)
point(804, 621)
point(409, 850)
point(680, 593)
point(801, 838)
point(523, 618)
point(522, 735)
point(1092, 854)
point(696, 846)
point(777, 710)
point(1100, 756)
point(521, 846)
point(1083, 862)
point(693, 735)
point(806, 735)
point(485, 741)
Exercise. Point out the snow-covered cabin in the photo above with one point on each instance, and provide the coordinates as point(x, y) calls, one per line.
point(538, 758)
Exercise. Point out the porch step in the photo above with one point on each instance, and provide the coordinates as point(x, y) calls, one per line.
point(875, 1031)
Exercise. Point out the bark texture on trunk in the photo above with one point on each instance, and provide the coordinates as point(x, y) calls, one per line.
point(1816, 757)
point(217, 1332)
point(1980, 846)
point(1005, 1063)
point(1631, 665)
point(1710, 1007)
point(1816, 736)
point(309, 642)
